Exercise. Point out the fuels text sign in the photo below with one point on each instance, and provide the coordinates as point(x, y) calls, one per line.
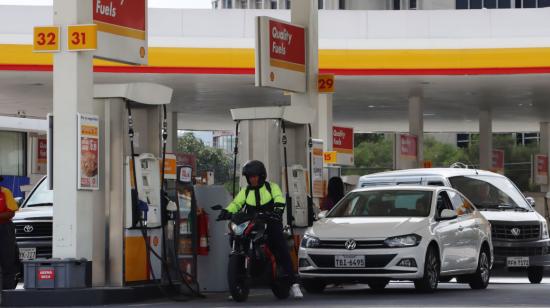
point(122, 30)
point(280, 55)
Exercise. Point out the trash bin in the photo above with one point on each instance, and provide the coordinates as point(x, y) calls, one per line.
point(57, 273)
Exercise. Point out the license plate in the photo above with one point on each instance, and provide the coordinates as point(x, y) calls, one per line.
point(27, 253)
point(517, 261)
point(349, 261)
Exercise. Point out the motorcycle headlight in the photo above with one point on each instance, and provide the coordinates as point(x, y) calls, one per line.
point(309, 241)
point(239, 229)
point(409, 240)
point(544, 230)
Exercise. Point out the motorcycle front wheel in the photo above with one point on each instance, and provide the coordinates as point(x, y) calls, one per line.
point(236, 278)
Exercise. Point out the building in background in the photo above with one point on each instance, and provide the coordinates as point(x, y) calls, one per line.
point(385, 4)
point(224, 140)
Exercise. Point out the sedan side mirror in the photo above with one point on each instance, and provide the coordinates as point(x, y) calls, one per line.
point(447, 214)
point(531, 201)
point(322, 215)
point(19, 201)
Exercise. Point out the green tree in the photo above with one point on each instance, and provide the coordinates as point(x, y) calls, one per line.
point(208, 158)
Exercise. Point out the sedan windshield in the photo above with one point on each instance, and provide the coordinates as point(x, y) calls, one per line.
point(41, 195)
point(491, 192)
point(384, 203)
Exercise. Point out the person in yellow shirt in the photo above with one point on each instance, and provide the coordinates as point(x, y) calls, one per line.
point(9, 256)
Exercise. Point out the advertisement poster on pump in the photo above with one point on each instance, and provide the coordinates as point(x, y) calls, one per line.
point(88, 152)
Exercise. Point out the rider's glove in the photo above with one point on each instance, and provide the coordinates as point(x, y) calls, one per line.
point(224, 215)
point(278, 211)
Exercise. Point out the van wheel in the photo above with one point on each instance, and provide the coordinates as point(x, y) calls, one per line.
point(535, 274)
point(480, 279)
point(428, 283)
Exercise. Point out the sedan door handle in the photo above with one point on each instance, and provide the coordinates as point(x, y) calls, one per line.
point(460, 228)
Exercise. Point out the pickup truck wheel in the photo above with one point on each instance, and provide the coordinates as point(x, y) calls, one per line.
point(480, 279)
point(535, 274)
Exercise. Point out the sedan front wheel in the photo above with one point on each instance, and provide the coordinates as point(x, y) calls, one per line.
point(432, 267)
point(480, 280)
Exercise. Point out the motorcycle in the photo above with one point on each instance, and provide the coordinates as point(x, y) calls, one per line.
point(250, 258)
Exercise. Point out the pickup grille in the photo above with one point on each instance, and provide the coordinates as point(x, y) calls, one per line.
point(506, 231)
point(326, 244)
point(33, 230)
point(520, 251)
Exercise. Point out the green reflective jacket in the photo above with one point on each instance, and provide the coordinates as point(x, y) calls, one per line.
point(276, 196)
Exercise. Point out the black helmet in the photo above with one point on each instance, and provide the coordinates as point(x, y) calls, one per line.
point(255, 168)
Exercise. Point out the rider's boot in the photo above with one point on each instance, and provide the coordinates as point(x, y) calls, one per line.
point(296, 292)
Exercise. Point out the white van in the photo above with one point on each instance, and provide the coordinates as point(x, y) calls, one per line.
point(519, 233)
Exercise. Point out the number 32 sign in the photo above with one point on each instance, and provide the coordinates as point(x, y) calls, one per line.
point(46, 39)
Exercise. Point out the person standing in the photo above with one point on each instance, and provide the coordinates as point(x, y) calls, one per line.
point(335, 192)
point(9, 258)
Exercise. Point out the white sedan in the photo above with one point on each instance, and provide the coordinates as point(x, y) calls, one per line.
point(425, 234)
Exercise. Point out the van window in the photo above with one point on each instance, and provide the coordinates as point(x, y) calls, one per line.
point(490, 192)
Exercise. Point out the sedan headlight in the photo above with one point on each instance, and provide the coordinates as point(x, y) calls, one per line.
point(544, 230)
point(239, 229)
point(409, 240)
point(309, 241)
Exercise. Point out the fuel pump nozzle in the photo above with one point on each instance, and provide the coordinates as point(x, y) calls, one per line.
point(143, 208)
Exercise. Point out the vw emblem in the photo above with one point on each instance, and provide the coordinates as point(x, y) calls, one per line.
point(515, 231)
point(350, 244)
point(28, 228)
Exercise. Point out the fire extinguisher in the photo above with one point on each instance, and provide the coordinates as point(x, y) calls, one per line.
point(202, 227)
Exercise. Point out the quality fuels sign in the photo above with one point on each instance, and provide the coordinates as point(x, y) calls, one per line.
point(280, 55)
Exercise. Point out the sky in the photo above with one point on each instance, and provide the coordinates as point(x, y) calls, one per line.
point(188, 4)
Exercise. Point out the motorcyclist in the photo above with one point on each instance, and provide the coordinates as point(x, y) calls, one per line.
point(261, 195)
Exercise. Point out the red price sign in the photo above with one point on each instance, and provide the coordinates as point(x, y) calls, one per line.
point(325, 83)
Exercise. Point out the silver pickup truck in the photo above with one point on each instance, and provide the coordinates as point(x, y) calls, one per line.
point(519, 233)
point(33, 223)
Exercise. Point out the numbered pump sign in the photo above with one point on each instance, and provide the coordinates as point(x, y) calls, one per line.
point(46, 39)
point(81, 37)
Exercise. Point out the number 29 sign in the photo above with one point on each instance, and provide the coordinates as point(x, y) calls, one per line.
point(325, 83)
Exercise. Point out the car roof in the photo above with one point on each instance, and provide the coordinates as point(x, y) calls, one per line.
point(445, 172)
point(402, 187)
